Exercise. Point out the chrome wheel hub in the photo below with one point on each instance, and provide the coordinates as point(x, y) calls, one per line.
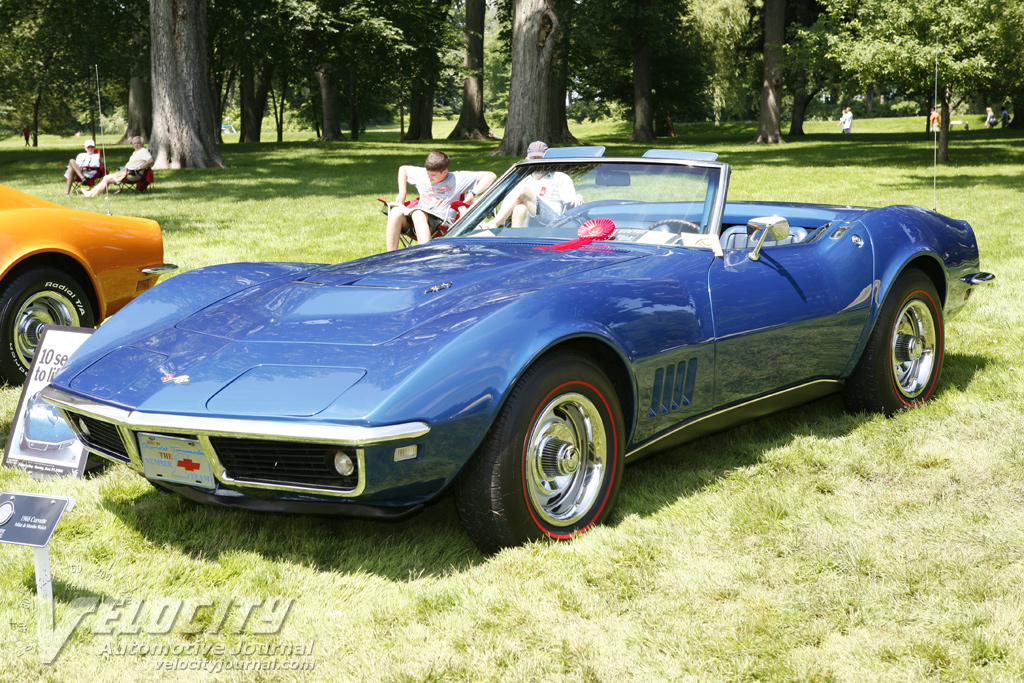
point(566, 454)
point(914, 345)
point(42, 308)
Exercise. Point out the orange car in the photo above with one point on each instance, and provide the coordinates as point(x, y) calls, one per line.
point(59, 266)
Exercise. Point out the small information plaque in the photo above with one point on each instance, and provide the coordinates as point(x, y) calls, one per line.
point(29, 519)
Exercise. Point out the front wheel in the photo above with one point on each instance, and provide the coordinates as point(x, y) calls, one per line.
point(552, 463)
point(32, 299)
point(901, 362)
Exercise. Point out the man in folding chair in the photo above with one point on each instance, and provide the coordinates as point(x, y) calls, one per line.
point(84, 167)
point(438, 188)
point(138, 163)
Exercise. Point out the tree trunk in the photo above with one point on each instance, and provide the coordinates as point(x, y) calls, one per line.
point(183, 133)
point(1017, 104)
point(279, 107)
point(353, 99)
point(801, 98)
point(35, 116)
point(943, 152)
point(471, 125)
point(248, 127)
point(421, 111)
point(533, 86)
point(140, 110)
point(140, 101)
point(329, 100)
point(643, 97)
point(769, 126)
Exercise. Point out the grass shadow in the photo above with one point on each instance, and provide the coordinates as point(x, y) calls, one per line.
point(433, 542)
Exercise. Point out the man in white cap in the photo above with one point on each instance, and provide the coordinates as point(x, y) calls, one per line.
point(544, 194)
point(85, 166)
point(136, 167)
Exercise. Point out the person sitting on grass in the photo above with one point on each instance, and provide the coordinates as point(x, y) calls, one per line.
point(544, 195)
point(438, 188)
point(83, 167)
point(138, 163)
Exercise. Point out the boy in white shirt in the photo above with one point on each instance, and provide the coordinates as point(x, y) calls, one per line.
point(438, 188)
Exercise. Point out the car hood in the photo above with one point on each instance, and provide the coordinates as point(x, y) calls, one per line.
point(377, 299)
point(291, 346)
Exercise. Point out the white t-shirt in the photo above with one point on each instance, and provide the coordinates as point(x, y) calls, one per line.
point(138, 158)
point(89, 163)
point(555, 189)
point(437, 198)
point(846, 119)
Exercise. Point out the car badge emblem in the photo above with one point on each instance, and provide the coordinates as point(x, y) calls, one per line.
point(437, 288)
point(177, 380)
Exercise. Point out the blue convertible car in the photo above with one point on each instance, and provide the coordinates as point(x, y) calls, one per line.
point(586, 311)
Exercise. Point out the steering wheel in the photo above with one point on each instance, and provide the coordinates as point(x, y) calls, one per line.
point(674, 225)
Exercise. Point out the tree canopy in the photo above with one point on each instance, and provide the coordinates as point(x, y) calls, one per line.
point(530, 66)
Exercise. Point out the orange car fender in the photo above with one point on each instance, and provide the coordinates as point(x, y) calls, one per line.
point(103, 246)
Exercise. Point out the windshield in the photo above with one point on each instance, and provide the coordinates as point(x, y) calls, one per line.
point(645, 202)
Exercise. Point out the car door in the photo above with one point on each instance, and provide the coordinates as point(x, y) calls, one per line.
point(794, 315)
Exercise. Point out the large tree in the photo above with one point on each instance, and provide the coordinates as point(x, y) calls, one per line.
point(769, 128)
point(534, 87)
point(183, 123)
point(471, 124)
point(900, 44)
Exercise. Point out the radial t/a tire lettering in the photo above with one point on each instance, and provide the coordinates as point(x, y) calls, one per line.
point(903, 358)
point(30, 300)
point(552, 463)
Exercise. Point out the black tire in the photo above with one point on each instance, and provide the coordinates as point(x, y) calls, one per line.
point(903, 358)
point(31, 299)
point(535, 476)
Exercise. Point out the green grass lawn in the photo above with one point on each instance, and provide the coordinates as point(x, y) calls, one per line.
point(811, 545)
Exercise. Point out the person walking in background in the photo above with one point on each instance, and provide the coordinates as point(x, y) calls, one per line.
point(27, 133)
point(1004, 118)
point(990, 118)
point(846, 120)
point(933, 121)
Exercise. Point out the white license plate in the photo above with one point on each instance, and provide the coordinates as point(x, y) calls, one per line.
point(180, 461)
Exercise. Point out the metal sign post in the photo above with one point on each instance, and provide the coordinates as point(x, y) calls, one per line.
point(30, 519)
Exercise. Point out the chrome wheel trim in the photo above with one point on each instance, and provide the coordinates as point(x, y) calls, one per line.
point(914, 346)
point(42, 308)
point(566, 456)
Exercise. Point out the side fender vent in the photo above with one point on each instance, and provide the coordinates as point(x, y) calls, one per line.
point(673, 388)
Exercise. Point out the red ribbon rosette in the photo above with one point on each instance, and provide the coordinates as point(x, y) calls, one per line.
point(594, 229)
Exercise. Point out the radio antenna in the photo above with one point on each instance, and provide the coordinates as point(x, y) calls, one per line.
point(103, 147)
point(935, 136)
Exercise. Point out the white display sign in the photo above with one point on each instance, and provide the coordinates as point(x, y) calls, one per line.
point(41, 441)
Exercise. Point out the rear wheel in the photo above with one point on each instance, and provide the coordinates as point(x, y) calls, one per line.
point(552, 463)
point(902, 360)
point(31, 300)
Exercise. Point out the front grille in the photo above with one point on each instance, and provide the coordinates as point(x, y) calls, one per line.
point(101, 437)
point(284, 462)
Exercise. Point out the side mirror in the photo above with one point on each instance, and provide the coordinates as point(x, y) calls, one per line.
point(773, 228)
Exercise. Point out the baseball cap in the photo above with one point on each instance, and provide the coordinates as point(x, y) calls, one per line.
point(536, 150)
point(90, 143)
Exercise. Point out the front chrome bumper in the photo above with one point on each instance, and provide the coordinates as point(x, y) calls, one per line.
point(129, 424)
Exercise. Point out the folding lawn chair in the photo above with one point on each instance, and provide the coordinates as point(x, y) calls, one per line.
point(76, 183)
point(408, 235)
point(135, 181)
